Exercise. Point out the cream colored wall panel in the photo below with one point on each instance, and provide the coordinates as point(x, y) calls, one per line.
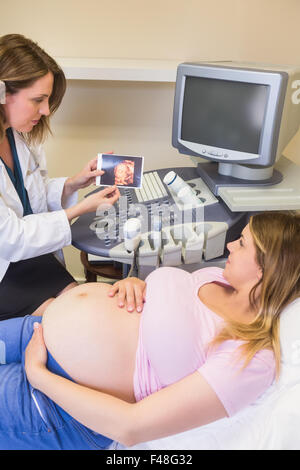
point(167, 29)
point(269, 31)
point(124, 117)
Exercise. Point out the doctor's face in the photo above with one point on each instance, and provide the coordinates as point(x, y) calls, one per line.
point(24, 109)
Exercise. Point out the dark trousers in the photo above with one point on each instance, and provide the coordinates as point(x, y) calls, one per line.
point(28, 283)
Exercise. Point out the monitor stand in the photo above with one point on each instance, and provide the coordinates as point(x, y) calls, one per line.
point(210, 173)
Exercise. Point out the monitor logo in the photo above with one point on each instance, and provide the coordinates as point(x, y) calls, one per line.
point(296, 93)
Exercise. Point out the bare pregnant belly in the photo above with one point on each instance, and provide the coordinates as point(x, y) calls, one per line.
point(92, 339)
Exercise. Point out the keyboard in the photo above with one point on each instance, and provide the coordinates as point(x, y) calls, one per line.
point(153, 188)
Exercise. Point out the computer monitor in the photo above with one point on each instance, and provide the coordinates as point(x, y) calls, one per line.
point(238, 115)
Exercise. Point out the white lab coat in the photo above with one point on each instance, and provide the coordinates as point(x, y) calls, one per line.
point(47, 229)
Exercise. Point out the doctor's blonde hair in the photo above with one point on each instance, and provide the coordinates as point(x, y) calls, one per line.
point(276, 237)
point(22, 62)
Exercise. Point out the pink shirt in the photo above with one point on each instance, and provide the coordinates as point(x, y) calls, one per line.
point(175, 330)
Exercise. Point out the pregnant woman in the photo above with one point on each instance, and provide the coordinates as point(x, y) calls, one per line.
point(205, 346)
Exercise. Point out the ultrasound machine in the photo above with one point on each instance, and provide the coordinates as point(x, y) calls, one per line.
point(234, 120)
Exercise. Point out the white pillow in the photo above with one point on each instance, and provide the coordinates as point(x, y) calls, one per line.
point(290, 344)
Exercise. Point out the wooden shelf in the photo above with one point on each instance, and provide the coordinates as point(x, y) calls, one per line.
point(119, 69)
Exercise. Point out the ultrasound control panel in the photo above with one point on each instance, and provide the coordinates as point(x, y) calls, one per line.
point(176, 229)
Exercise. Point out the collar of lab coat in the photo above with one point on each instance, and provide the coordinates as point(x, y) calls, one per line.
point(24, 153)
point(8, 188)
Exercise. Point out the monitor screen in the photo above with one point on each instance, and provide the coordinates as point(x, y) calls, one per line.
point(223, 113)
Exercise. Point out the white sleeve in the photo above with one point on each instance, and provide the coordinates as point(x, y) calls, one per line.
point(54, 187)
point(32, 235)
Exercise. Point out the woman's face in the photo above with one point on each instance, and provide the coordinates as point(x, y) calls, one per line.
point(24, 109)
point(241, 268)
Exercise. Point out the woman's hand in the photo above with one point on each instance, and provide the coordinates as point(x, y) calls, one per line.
point(35, 355)
point(100, 199)
point(132, 290)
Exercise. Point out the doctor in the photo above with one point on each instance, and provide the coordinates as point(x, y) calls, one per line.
point(35, 210)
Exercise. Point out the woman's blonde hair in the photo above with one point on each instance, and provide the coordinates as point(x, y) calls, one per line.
point(276, 237)
point(22, 62)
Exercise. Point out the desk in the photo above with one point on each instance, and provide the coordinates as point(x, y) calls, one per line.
point(188, 236)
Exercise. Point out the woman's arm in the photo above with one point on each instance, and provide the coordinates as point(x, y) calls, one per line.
point(189, 403)
point(18, 235)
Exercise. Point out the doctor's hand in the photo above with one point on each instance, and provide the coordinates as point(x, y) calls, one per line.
point(85, 178)
point(130, 290)
point(98, 200)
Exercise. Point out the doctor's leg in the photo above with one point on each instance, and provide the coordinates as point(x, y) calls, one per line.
point(68, 287)
point(41, 309)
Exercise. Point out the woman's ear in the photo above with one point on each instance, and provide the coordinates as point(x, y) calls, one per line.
point(259, 274)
